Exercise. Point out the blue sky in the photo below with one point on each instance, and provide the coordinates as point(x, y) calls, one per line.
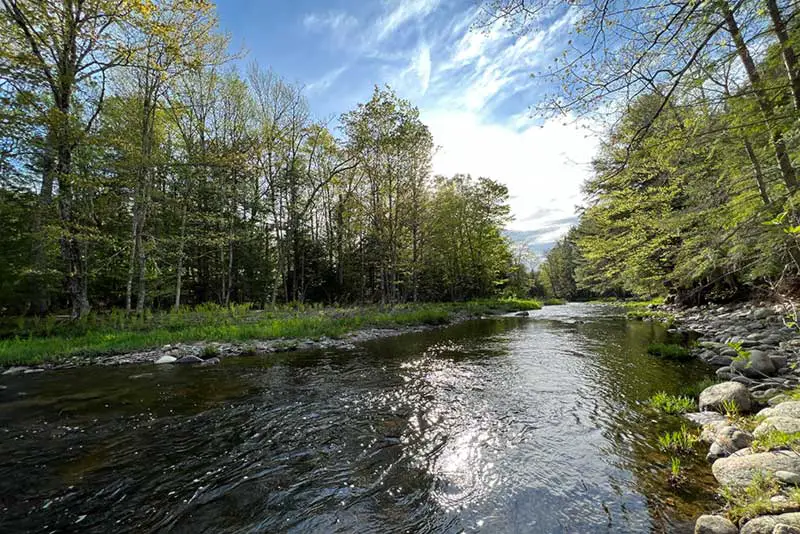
point(473, 86)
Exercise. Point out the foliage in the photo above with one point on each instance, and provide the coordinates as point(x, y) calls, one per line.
point(753, 500)
point(776, 440)
point(669, 351)
point(679, 442)
point(671, 404)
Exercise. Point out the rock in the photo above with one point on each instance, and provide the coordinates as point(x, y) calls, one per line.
point(724, 372)
point(758, 364)
point(762, 313)
point(14, 370)
point(784, 409)
point(788, 477)
point(166, 359)
point(705, 418)
point(522, 314)
point(713, 397)
point(189, 359)
point(788, 425)
point(779, 360)
point(766, 523)
point(720, 360)
point(210, 361)
point(714, 524)
point(785, 529)
point(727, 440)
point(738, 471)
point(777, 399)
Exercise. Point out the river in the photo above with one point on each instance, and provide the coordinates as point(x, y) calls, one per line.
point(497, 425)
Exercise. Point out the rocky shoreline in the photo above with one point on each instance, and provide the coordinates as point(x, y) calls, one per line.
point(757, 357)
point(211, 353)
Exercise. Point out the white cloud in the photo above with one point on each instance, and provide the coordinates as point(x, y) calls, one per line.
point(543, 166)
point(326, 80)
point(336, 23)
point(403, 11)
point(422, 64)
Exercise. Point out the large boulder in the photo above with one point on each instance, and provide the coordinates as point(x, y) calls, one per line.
point(738, 471)
point(713, 397)
point(787, 425)
point(757, 365)
point(784, 409)
point(766, 524)
point(714, 524)
point(727, 441)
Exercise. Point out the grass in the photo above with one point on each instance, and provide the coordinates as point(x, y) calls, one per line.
point(753, 500)
point(679, 442)
point(52, 339)
point(671, 404)
point(669, 351)
point(776, 440)
point(554, 301)
point(676, 477)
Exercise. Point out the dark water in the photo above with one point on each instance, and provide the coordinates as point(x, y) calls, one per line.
point(501, 425)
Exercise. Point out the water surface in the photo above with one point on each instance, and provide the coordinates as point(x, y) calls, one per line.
point(498, 425)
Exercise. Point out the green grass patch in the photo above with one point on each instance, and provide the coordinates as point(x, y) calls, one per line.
point(669, 351)
point(679, 442)
point(753, 500)
point(776, 440)
point(54, 339)
point(671, 404)
point(554, 302)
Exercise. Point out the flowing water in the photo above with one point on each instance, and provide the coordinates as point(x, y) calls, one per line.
point(497, 425)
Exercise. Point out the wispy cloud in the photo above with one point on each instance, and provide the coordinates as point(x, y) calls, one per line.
point(326, 81)
point(401, 12)
point(337, 23)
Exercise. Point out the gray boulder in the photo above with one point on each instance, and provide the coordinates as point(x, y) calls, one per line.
point(738, 471)
point(728, 440)
point(784, 409)
point(758, 364)
point(714, 524)
point(166, 359)
point(788, 477)
point(714, 396)
point(766, 524)
point(788, 425)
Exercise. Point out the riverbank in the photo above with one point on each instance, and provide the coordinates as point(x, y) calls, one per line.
point(751, 418)
point(205, 334)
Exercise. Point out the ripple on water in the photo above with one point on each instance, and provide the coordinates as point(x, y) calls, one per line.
point(508, 425)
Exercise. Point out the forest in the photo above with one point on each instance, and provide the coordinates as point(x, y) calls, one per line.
point(694, 193)
point(144, 166)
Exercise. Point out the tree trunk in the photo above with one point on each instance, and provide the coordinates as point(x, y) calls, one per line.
point(762, 187)
point(764, 102)
point(789, 57)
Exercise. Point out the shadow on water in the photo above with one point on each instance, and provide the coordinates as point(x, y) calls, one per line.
point(500, 425)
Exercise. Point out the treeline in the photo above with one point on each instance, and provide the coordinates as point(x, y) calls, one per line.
point(694, 193)
point(140, 169)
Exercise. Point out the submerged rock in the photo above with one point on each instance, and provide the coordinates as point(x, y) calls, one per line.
point(738, 471)
point(522, 314)
point(713, 397)
point(714, 524)
point(189, 359)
